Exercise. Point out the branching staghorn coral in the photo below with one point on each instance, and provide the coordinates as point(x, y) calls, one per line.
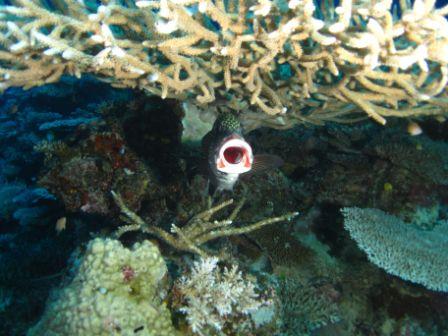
point(290, 59)
point(200, 229)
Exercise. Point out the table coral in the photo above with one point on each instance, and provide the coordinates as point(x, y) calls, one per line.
point(401, 249)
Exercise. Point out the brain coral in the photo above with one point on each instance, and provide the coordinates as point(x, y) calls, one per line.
point(116, 291)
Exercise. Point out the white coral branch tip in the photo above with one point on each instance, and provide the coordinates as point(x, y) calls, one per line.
point(166, 27)
point(143, 3)
point(262, 9)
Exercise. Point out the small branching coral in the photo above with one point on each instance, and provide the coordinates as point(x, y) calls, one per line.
point(212, 298)
point(200, 229)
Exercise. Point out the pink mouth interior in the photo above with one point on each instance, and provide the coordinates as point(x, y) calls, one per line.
point(234, 155)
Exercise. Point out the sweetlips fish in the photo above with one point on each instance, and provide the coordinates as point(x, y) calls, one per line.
point(229, 155)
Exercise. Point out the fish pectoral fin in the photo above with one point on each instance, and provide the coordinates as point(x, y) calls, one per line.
point(264, 162)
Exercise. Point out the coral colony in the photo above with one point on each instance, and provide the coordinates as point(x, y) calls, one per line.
point(292, 61)
point(108, 225)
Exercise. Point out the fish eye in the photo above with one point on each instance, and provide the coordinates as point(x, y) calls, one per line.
point(234, 155)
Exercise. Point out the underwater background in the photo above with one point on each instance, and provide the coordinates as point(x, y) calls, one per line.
point(106, 227)
point(64, 149)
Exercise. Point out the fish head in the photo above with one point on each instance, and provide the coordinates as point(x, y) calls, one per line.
point(233, 155)
point(229, 155)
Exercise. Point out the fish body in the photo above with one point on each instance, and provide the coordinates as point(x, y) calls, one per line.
point(229, 155)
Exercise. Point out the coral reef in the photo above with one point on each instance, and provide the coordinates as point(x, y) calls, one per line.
point(334, 164)
point(115, 291)
point(199, 230)
point(215, 299)
point(292, 60)
point(422, 156)
point(399, 248)
point(32, 254)
point(304, 308)
point(83, 177)
point(323, 283)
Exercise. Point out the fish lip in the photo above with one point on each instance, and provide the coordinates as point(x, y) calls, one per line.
point(244, 166)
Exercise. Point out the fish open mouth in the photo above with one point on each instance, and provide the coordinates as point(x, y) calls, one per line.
point(235, 157)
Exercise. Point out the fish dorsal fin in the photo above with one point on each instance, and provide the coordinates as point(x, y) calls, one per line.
point(264, 162)
point(206, 142)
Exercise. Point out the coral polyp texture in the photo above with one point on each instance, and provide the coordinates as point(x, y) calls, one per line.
point(401, 249)
point(214, 298)
point(116, 291)
point(282, 62)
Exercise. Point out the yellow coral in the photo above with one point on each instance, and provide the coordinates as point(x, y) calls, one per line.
point(116, 291)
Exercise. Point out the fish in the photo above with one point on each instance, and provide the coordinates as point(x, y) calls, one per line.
point(229, 155)
point(61, 225)
point(414, 128)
